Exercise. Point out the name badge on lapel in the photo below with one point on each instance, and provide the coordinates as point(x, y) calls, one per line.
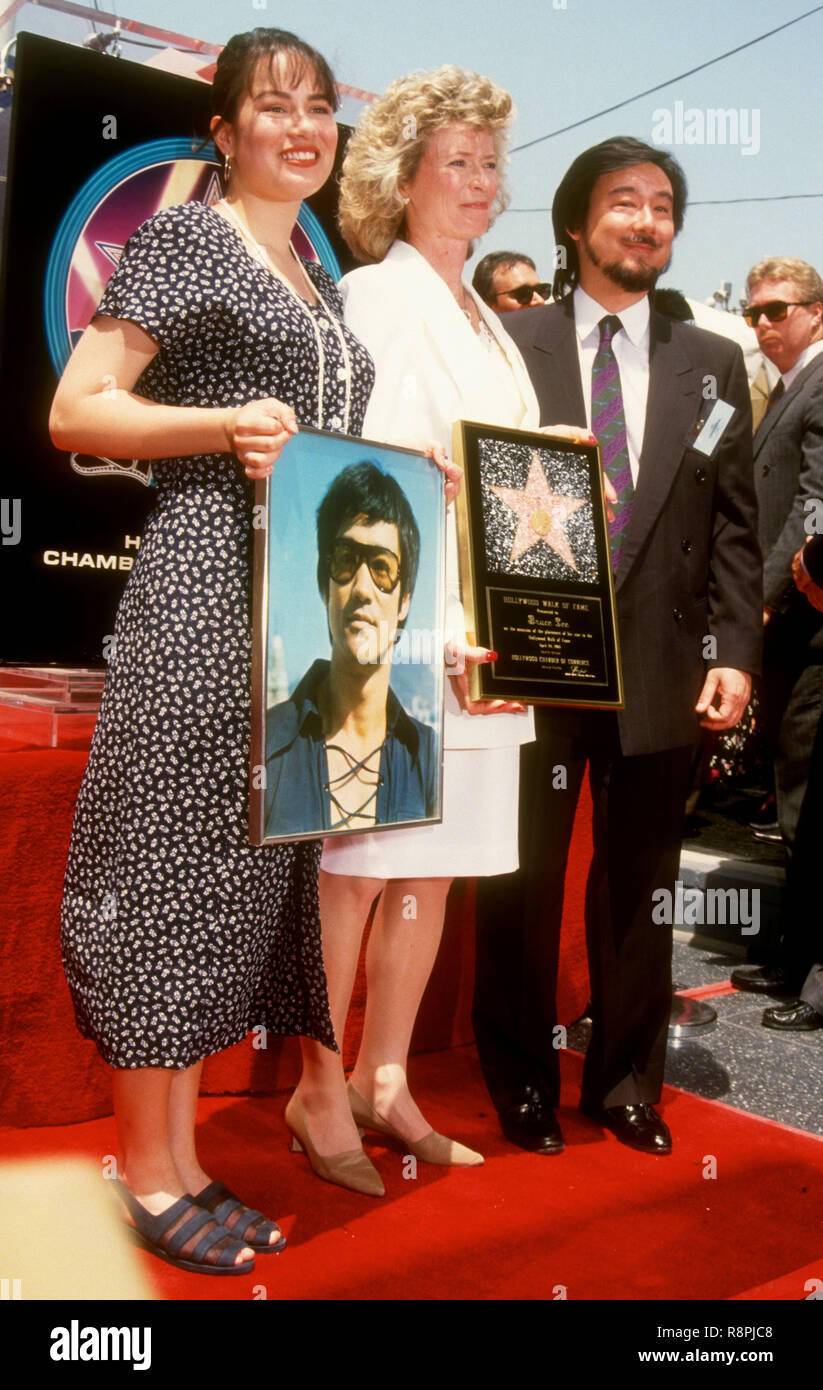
point(710, 427)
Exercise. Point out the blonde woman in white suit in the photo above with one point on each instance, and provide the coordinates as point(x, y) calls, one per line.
point(420, 181)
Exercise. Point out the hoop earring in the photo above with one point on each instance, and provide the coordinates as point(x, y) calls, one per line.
point(226, 170)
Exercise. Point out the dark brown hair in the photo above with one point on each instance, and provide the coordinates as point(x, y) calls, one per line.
point(483, 278)
point(571, 201)
point(238, 61)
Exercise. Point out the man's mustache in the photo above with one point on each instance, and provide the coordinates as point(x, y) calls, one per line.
point(353, 615)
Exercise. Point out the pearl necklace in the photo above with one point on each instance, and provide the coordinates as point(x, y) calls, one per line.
point(261, 255)
point(464, 303)
point(466, 307)
point(482, 331)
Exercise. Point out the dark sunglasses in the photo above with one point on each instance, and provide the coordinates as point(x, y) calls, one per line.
point(346, 557)
point(524, 293)
point(776, 310)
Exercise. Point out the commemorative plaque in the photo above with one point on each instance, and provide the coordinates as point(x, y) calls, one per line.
point(535, 568)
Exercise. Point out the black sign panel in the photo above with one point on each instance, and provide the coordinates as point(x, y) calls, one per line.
point(535, 568)
point(97, 145)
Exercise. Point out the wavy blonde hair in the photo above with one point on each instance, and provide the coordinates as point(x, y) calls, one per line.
point(803, 276)
point(390, 140)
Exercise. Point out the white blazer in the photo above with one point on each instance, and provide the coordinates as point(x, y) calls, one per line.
point(431, 369)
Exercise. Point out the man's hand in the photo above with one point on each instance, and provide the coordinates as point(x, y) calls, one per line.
point(452, 472)
point(724, 697)
point(579, 435)
point(610, 495)
point(806, 584)
point(458, 658)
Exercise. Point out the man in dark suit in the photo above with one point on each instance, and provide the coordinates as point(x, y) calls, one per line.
point(786, 310)
point(669, 404)
point(507, 282)
point(804, 1014)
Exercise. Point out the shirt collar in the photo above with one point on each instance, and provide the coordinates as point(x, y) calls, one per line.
point(808, 355)
point(307, 714)
point(588, 313)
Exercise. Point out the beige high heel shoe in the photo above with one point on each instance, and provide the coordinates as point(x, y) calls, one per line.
point(351, 1169)
point(432, 1148)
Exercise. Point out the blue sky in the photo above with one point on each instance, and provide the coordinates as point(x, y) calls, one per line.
point(564, 61)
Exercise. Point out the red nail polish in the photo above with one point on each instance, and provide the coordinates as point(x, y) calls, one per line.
point(492, 656)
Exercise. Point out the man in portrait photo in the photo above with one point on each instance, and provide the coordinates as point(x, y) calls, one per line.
point(341, 752)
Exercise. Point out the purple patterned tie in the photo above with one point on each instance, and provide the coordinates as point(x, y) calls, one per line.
point(609, 428)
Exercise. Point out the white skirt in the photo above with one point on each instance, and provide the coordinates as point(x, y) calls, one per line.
point(477, 836)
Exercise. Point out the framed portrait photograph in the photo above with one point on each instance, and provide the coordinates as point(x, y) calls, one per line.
point(535, 568)
point(348, 615)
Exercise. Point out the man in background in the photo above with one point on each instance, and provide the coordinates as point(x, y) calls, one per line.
point(786, 311)
point(507, 280)
point(804, 1014)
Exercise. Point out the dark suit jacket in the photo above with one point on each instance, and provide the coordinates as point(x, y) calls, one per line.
point(788, 470)
point(690, 563)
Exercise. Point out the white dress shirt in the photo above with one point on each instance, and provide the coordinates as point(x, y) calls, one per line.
point(807, 356)
point(631, 350)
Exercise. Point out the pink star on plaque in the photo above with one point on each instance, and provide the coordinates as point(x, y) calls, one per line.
point(541, 514)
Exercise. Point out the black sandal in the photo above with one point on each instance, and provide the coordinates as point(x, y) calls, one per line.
point(186, 1236)
point(232, 1213)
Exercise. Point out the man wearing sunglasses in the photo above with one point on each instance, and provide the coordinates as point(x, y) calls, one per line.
point(805, 1013)
point(786, 311)
point(342, 753)
point(507, 280)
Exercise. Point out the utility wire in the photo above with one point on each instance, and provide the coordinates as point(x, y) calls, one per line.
point(668, 83)
point(148, 43)
point(715, 202)
point(775, 198)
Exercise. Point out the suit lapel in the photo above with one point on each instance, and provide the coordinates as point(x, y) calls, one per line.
point(772, 416)
point(558, 384)
point(673, 403)
point(515, 361)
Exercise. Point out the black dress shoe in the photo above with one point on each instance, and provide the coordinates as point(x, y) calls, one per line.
point(639, 1126)
point(793, 1017)
point(760, 979)
point(765, 817)
point(531, 1124)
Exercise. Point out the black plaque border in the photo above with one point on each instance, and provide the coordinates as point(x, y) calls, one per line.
point(476, 579)
point(63, 94)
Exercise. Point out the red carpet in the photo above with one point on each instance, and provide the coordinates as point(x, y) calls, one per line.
point(50, 1075)
point(597, 1222)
